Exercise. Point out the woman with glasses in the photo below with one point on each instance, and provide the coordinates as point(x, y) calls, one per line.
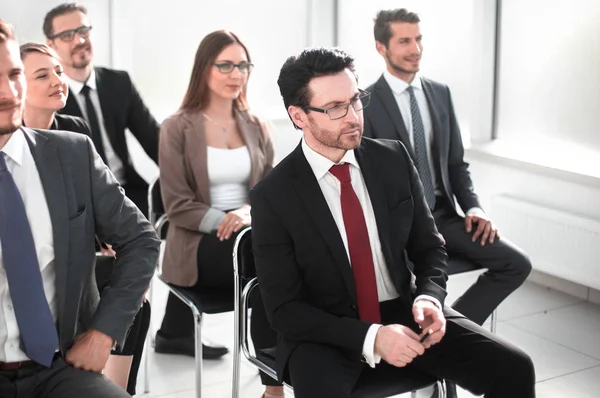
point(47, 92)
point(212, 151)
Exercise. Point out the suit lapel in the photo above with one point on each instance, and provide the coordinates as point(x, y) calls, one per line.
point(250, 134)
point(440, 141)
point(104, 95)
point(47, 159)
point(310, 194)
point(383, 90)
point(371, 174)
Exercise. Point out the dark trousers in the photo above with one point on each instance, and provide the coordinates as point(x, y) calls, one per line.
point(468, 355)
point(138, 193)
point(59, 381)
point(215, 269)
point(507, 266)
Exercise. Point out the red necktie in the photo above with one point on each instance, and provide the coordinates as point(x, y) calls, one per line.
point(359, 247)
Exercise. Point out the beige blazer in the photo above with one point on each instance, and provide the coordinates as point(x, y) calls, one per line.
point(185, 185)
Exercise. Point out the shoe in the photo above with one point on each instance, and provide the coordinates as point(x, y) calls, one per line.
point(186, 346)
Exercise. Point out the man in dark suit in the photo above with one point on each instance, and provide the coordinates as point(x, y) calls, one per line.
point(419, 112)
point(331, 224)
point(55, 195)
point(106, 98)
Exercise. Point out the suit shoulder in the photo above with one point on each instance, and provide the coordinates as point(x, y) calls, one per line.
point(384, 148)
point(277, 177)
point(435, 84)
point(63, 139)
point(72, 123)
point(113, 74)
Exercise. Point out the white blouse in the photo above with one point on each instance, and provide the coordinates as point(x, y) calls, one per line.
point(229, 176)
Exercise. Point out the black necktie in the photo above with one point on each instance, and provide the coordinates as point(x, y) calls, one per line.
point(420, 147)
point(92, 118)
point(39, 338)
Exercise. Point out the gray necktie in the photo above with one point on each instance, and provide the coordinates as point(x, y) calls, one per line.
point(39, 339)
point(420, 148)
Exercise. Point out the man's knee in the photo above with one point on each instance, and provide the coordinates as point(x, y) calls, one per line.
point(521, 266)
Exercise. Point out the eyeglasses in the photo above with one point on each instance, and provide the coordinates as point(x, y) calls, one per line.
point(340, 111)
point(227, 67)
point(69, 35)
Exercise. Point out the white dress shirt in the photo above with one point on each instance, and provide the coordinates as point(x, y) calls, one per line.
point(332, 190)
point(399, 89)
point(114, 163)
point(25, 173)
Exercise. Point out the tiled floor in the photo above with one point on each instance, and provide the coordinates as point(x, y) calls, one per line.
point(560, 333)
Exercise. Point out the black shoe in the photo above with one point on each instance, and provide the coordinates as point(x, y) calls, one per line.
point(186, 346)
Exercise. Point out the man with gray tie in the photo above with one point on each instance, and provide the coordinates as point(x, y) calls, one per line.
point(55, 195)
point(419, 112)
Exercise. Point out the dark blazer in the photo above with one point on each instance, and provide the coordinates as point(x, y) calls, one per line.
point(122, 108)
point(304, 273)
point(70, 123)
point(383, 120)
point(84, 199)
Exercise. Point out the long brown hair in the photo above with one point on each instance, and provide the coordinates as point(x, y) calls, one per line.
point(196, 97)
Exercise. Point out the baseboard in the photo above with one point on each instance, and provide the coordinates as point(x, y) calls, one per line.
point(561, 285)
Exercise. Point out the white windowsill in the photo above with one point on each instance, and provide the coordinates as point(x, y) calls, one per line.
point(553, 158)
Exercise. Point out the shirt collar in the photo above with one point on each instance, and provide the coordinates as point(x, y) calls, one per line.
point(398, 86)
point(15, 146)
point(320, 165)
point(76, 86)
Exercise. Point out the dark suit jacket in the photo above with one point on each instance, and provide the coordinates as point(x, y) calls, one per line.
point(383, 120)
point(84, 199)
point(70, 123)
point(122, 108)
point(304, 273)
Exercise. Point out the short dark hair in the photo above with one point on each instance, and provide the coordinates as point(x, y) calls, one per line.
point(57, 11)
point(298, 70)
point(382, 30)
point(6, 32)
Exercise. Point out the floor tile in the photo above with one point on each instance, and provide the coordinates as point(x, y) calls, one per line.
point(584, 384)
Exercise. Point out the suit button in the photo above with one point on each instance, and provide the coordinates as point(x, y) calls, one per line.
point(354, 307)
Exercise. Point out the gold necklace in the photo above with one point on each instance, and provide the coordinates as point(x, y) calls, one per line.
point(225, 129)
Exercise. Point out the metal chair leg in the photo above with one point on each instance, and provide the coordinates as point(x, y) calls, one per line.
point(198, 341)
point(494, 321)
point(147, 363)
point(235, 385)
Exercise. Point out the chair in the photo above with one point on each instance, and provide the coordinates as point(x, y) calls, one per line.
point(208, 301)
point(459, 265)
point(379, 386)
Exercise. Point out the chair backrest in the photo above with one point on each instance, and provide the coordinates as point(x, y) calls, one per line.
point(156, 208)
point(244, 255)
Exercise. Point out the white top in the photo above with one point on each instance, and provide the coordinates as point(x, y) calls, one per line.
point(25, 173)
point(115, 164)
point(332, 191)
point(229, 176)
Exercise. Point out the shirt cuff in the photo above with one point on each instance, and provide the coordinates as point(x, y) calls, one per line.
point(211, 220)
point(369, 355)
point(430, 298)
point(475, 211)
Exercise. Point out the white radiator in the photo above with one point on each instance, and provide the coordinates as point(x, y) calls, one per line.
point(559, 243)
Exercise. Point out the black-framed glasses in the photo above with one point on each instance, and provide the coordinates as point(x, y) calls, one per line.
point(227, 67)
point(340, 111)
point(69, 35)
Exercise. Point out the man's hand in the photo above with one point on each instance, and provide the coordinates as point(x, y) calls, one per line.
point(430, 318)
point(485, 228)
point(233, 222)
point(90, 351)
point(397, 345)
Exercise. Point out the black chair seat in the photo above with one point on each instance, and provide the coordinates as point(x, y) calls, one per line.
point(457, 265)
point(385, 382)
point(208, 301)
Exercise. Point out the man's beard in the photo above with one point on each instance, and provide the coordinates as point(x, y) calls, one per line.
point(12, 126)
point(397, 67)
point(80, 64)
point(333, 139)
